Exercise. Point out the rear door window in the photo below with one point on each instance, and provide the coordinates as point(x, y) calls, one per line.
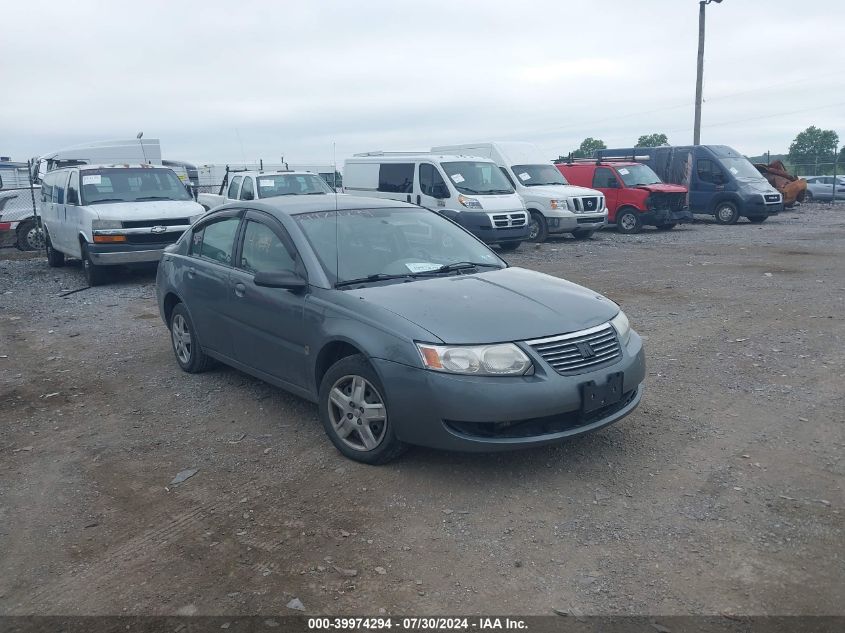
point(232, 192)
point(396, 177)
point(248, 189)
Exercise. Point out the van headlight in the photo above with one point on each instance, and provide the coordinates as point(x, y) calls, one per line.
point(503, 359)
point(105, 225)
point(622, 326)
point(469, 203)
point(559, 204)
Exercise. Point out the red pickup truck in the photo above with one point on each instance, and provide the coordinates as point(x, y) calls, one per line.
point(635, 195)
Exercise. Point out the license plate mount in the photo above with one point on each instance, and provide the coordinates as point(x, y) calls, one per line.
point(594, 397)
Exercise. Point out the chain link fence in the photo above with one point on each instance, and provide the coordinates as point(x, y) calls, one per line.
point(20, 222)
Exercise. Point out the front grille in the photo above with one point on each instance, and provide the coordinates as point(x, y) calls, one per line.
point(772, 197)
point(537, 427)
point(153, 238)
point(581, 351)
point(508, 220)
point(660, 200)
point(590, 220)
point(590, 204)
point(140, 224)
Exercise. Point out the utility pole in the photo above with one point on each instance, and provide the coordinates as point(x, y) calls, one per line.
point(696, 134)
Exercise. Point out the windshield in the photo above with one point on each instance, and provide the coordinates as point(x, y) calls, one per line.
point(537, 175)
point(131, 185)
point(633, 175)
point(270, 186)
point(741, 168)
point(476, 177)
point(356, 244)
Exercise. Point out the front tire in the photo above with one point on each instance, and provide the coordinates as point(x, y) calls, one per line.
point(538, 228)
point(94, 274)
point(30, 236)
point(189, 353)
point(628, 222)
point(55, 259)
point(355, 412)
point(509, 247)
point(726, 213)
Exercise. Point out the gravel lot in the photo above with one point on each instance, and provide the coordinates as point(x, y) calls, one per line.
point(722, 493)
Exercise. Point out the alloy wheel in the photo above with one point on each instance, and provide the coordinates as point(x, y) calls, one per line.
point(357, 413)
point(725, 213)
point(629, 222)
point(181, 335)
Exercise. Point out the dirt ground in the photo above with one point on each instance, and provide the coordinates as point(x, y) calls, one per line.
point(722, 493)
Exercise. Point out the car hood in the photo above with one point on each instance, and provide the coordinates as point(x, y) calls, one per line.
point(149, 209)
point(663, 188)
point(759, 186)
point(561, 191)
point(511, 304)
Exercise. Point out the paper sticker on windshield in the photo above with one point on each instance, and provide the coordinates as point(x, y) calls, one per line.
point(421, 267)
point(734, 171)
point(457, 178)
point(524, 176)
point(266, 183)
point(93, 179)
point(624, 171)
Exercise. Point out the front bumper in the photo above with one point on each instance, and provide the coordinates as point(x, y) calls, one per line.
point(119, 254)
point(445, 411)
point(758, 208)
point(573, 221)
point(657, 217)
point(478, 223)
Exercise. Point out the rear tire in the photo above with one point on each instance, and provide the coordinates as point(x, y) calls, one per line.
point(30, 236)
point(808, 196)
point(370, 439)
point(94, 274)
point(186, 347)
point(55, 259)
point(538, 228)
point(509, 247)
point(628, 221)
point(726, 213)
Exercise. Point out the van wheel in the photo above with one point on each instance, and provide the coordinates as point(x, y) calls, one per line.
point(581, 234)
point(95, 275)
point(726, 213)
point(186, 347)
point(538, 228)
point(509, 247)
point(55, 259)
point(355, 413)
point(628, 222)
point(30, 236)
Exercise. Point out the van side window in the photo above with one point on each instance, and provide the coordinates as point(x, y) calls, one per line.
point(232, 192)
point(47, 188)
point(604, 178)
point(216, 240)
point(396, 177)
point(431, 182)
point(248, 189)
point(73, 186)
point(59, 182)
point(707, 171)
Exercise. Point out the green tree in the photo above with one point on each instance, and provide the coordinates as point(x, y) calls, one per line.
point(652, 140)
point(588, 147)
point(812, 145)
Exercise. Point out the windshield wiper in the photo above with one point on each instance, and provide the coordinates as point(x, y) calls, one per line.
point(371, 278)
point(448, 268)
point(107, 200)
point(153, 198)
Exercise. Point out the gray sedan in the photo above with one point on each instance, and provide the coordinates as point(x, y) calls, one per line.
point(401, 326)
point(821, 188)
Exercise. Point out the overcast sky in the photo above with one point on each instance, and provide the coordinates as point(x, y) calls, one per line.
point(238, 81)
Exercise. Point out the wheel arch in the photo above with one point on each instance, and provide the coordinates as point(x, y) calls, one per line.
point(171, 300)
point(331, 352)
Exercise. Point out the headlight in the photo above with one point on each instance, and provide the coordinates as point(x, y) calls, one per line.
point(504, 359)
point(469, 203)
point(559, 204)
point(100, 225)
point(622, 326)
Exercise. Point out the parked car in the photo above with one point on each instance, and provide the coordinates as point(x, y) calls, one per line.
point(635, 195)
point(555, 206)
point(251, 185)
point(108, 215)
point(469, 190)
point(721, 181)
point(18, 221)
point(821, 188)
point(401, 326)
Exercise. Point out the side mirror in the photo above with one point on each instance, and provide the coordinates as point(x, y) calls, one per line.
point(285, 279)
point(72, 196)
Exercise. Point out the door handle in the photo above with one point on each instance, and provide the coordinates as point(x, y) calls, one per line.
point(418, 199)
point(408, 198)
point(191, 272)
point(240, 289)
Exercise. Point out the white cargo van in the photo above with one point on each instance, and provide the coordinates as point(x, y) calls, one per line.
point(467, 189)
point(555, 205)
point(108, 215)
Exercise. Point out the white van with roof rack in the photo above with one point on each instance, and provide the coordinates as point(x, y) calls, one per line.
point(555, 206)
point(108, 215)
point(255, 185)
point(469, 190)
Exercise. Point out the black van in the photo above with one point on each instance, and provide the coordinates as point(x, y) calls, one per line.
point(721, 181)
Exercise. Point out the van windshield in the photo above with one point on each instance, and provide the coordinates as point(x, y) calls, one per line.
point(741, 168)
point(128, 184)
point(538, 175)
point(476, 177)
point(273, 185)
point(635, 175)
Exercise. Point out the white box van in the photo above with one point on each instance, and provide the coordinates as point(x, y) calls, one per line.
point(467, 189)
point(555, 205)
point(108, 215)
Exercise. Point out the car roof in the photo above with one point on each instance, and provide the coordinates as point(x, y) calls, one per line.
point(296, 205)
point(272, 172)
point(116, 166)
point(405, 157)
